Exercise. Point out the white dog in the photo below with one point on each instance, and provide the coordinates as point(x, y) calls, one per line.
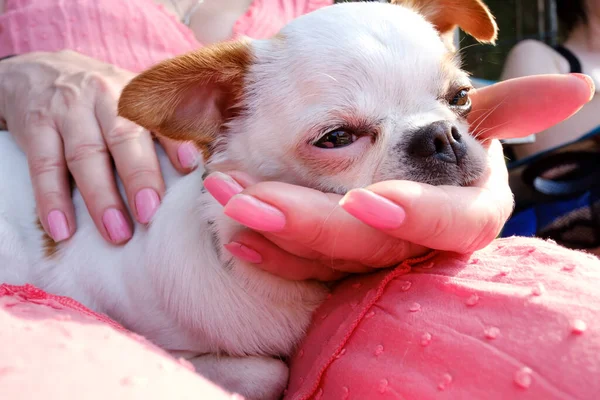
point(343, 97)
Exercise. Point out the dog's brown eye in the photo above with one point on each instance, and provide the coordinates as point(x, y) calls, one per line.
point(337, 138)
point(460, 99)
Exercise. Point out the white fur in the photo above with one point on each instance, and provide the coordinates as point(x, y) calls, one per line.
point(380, 62)
point(168, 283)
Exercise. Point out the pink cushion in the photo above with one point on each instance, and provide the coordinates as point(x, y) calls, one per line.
point(517, 320)
point(55, 349)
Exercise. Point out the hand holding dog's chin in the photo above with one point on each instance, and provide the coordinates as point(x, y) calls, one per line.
point(300, 233)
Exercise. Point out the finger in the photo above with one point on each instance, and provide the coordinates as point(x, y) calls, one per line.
point(134, 154)
point(304, 252)
point(242, 178)
point(49, 176)
point(88, 160)
point(523, 106)
point(254, 248)
point(184, 156)
point(224, 186)
point(313, 219)
point(460, 219)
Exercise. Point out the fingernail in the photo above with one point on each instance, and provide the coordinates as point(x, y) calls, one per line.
point(254, 214)
point(57, 223)
point(222, 187)
point(116, 225)
point(244, 253)
point(373, 209)
point(587, 79)
point(146, 204)
point(188, 155)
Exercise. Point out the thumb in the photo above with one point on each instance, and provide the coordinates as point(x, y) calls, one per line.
point(523, 106)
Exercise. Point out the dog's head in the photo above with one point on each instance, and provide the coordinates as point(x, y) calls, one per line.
point(342, 97)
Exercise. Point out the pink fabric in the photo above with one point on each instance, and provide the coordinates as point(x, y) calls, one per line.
point(132, 34)
point(54, 348)
point(517, 320)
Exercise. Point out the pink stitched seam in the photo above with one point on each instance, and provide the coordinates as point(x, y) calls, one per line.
point(399, 270)
point(31, 293)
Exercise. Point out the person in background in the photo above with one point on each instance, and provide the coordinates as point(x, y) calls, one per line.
point(580, 53)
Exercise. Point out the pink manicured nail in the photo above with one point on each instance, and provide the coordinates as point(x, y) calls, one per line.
point(188, 155)
point(222, 187)
point(373, 209)
point(116, 225)
point(254, 214)
point(244, 253)
point(587, 79)
point(146, 204)
point(57, 223)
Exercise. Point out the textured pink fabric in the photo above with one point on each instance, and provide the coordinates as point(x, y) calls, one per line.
point(517, 320)
point(132, 34)
point(54, 348)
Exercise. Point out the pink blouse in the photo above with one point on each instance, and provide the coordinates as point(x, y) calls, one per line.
point(132, 34)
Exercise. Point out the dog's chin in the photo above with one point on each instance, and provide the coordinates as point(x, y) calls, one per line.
point(472, 174)
point(438, 174)
point(460, 178)
point(471, 179)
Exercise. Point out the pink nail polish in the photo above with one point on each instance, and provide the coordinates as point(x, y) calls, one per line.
point(373, 209)
point(116, 225)
point(188, 155)
point(146, 204)
point(244, 253)
point(254, 214)
point(222, 187)
point(588, 80)
point(57, 223)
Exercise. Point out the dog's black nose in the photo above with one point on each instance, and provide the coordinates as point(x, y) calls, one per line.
point(441, 140)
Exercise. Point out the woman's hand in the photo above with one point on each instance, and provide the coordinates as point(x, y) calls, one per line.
point(300, 233)
point(62, 110)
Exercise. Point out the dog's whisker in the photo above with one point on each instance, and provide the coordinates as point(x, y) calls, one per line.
point(328, 76)
point(483, 115)
point(483, 131)
point(489, 113)
point(460, 51)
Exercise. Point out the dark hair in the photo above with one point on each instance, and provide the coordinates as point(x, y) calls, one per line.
point(571, 13)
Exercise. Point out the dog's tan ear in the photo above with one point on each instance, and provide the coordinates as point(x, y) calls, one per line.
point(189, 97)
point(472, 16)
